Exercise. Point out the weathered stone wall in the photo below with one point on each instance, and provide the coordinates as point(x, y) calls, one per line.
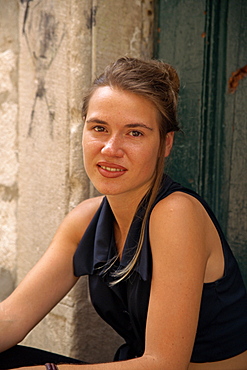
point(60, 47)
point(8, 144)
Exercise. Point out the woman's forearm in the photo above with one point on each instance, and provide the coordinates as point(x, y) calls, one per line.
point(145, 362)
point(10, 334)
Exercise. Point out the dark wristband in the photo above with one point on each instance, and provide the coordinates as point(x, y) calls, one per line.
point(50, 366)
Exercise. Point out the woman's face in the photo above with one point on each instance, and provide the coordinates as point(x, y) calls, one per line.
point(120, 142)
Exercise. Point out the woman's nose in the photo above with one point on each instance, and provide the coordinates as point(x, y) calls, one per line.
point(113, 147)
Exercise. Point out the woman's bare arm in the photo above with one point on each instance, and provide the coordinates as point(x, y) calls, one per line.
point(179, 238)
point(49, 280)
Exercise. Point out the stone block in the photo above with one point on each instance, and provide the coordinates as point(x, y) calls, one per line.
point(7, 283)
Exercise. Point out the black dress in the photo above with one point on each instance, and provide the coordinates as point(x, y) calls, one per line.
point(21, 356)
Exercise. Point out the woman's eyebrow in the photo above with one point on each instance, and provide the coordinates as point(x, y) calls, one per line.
point(96, 120)
point(136, 125)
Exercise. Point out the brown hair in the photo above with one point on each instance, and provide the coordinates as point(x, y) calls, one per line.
point(159, 83)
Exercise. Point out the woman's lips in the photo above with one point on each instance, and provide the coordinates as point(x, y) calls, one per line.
point(110, 170)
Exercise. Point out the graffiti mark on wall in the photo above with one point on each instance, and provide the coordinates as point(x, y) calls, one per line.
point(44, 35)
point(91, 17)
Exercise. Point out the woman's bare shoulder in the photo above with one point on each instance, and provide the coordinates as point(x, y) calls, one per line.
point(88, 207)
point(77, 220)
point(182, 218)
point(180, 204)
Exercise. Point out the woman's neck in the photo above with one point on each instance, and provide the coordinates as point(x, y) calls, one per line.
point(124, 211)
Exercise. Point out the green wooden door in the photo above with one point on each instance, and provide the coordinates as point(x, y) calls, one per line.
point(207, 41)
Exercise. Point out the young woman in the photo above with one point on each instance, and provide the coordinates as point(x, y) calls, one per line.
point(160, 270)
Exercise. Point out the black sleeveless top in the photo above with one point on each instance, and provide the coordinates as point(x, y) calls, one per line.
point(222, 326)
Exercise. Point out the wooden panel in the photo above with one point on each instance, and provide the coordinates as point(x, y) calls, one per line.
point(236, 143)
point(181, 43)
point(212, 109)
point(206, 41)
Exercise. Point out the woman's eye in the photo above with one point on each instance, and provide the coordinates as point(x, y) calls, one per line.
point(99, 128)
point(135, 133)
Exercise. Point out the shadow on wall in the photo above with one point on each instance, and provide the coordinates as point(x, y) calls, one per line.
point(6, 283)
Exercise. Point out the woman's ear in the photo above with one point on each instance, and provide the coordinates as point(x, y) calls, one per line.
point(169, 143)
